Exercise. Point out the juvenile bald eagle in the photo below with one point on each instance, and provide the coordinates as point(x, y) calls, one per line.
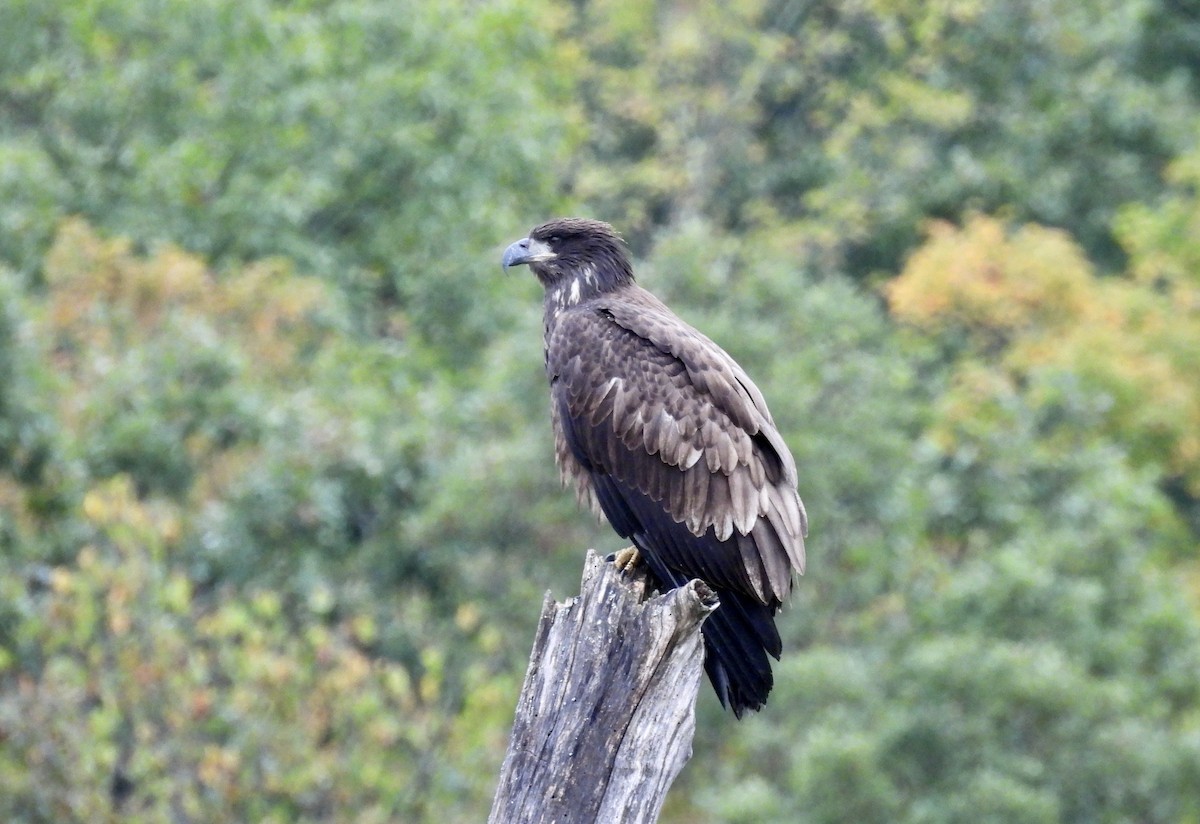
point(659, 429)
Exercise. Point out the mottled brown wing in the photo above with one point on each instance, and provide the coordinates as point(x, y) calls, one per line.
point(646, 399)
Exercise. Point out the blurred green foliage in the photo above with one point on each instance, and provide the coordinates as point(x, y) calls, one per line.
point(277, 502)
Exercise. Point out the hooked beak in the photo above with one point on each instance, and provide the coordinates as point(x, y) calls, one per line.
point(526, 250)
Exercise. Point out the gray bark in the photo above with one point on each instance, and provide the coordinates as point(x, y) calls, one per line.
point(607, 712)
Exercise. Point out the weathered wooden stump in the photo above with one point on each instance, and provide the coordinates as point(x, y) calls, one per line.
point(607, 712)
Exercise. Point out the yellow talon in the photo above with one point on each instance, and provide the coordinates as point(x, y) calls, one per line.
point(626, 559)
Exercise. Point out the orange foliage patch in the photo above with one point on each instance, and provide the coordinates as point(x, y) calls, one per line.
point(103, 296)
point(1027, 302)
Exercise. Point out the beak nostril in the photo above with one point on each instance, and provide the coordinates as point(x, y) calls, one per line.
point(526, 250)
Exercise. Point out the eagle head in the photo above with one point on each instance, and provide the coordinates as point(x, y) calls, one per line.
point(570, 251)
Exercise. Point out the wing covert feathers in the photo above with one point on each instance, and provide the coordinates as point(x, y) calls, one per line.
point(646, 399)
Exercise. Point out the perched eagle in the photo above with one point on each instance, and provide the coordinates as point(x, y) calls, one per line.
point(659, 429)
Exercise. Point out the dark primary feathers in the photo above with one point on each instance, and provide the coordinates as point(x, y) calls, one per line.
point(661, 431)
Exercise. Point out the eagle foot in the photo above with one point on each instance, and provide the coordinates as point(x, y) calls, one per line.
point(626, 559)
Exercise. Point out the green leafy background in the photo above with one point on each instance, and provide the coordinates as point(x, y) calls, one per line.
point(277, 499)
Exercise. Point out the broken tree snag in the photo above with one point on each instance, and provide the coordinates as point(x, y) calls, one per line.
point(607, 712)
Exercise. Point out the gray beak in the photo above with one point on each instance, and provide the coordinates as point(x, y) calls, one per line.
point(526, 250)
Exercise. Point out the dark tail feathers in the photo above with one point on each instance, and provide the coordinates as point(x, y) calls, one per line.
point(737, 640)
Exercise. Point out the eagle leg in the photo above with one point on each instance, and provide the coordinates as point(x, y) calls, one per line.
point(626, 559)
